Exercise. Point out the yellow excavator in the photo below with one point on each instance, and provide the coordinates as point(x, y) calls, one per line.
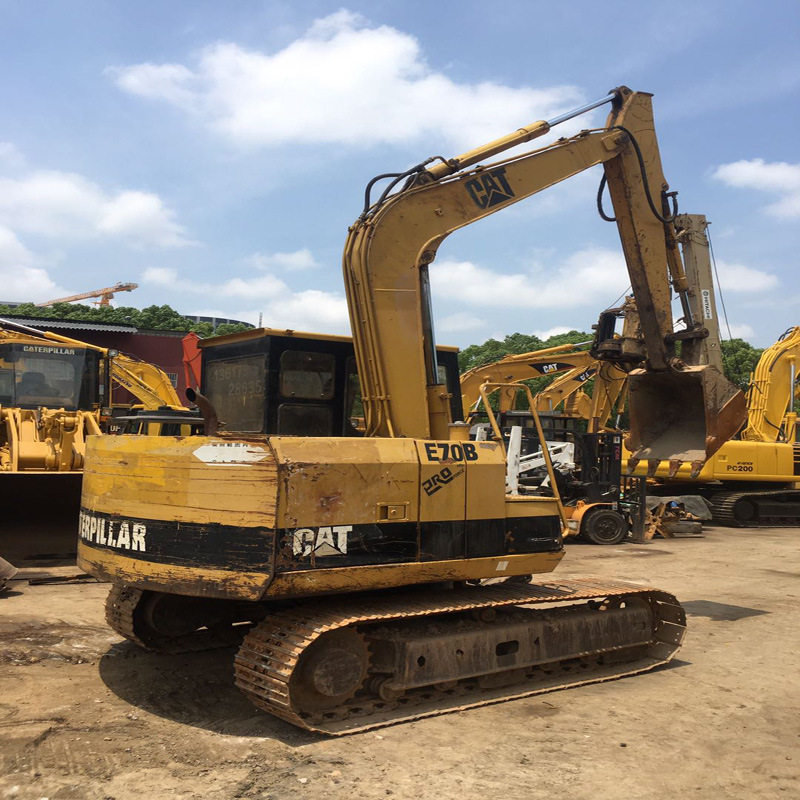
point(564, 398)
point(754, 480)
point(386, 577)
point(600, 506)
point(55, 392)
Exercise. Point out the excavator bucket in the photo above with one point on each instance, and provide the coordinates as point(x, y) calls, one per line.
point(681, 416)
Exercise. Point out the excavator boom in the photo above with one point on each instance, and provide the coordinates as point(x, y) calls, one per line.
point(680, 410)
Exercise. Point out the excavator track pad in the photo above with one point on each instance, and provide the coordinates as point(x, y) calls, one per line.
point(347, 665)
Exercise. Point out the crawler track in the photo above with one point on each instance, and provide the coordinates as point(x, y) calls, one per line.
point(267, 662)
point(776, 509)
point(126, 614)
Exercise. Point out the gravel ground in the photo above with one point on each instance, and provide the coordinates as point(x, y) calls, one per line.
point(85, 715)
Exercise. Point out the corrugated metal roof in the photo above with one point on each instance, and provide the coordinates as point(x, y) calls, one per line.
point(73, 325)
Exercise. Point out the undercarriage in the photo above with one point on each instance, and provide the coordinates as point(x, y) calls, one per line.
point(340, 665)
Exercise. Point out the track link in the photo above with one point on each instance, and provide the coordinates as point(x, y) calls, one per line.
point(723, 509)
point(269, 656)
point(124, 613)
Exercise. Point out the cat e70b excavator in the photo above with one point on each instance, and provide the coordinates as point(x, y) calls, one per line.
point(363, 561)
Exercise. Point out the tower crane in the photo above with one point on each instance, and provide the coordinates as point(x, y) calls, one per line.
point(105, 295)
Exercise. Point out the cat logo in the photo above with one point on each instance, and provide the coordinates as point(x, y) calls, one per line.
point(325, 541)
point(490, 188)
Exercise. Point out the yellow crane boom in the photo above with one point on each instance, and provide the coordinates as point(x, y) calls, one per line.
point(105, 295)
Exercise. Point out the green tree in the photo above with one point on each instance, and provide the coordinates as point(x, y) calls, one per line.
point(739, 359)
point(477, 355)
point(154, 318)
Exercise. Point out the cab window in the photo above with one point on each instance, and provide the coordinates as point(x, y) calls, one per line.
point(236, 387)
point(307, 376)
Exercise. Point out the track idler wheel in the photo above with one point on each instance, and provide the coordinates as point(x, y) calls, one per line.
point(331, 671)
point(169, 623)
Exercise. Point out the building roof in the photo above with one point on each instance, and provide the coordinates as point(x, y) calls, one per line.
point(73, 325)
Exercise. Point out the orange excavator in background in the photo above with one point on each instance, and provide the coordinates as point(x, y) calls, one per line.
point(388, 546)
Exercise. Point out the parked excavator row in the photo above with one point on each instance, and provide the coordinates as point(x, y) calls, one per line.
point(349, 528)
point(599, 505)
point(575, 366)
point(55, 392)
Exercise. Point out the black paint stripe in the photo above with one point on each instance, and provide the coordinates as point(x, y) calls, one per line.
point(231, 547)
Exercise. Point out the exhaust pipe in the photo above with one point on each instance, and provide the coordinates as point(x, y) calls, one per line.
point(211, 423)
point(680, 416)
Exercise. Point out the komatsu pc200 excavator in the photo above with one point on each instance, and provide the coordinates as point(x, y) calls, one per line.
point(383, 544)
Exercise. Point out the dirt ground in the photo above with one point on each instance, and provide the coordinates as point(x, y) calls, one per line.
point(85, 715)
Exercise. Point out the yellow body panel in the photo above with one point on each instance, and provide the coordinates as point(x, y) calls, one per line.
point(253, 586)
point(324, 480)
point(486, 497)
point(166, 478)
point(739, 461)
point(287, 515)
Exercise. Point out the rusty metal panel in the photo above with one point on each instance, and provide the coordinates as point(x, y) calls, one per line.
point(327, 481)
point(187, 479)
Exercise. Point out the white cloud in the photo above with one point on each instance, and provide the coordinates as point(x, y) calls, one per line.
point(343, 81)
point(592, 276)
point(739, 278)
point(68, 206)
point(741, 331)
point(776, 177)
point(282, 307)
point(289, 262)
point(10, 156)
point(459, 322)
point(20, 278)
point(555, 331)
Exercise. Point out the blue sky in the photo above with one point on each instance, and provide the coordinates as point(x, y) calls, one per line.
point(215, 152)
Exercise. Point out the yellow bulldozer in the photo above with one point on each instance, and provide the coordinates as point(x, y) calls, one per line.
point(387, 576)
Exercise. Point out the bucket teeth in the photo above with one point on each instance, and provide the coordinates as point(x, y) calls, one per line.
point(697, 467)
point(674, 466)
point(633, 462)
point(652, 466)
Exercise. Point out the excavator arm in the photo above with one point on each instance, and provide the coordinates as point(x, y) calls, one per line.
point(770, 398)
point(574, 368)
point(149, 384)
point(679, 411)
point(522, 366)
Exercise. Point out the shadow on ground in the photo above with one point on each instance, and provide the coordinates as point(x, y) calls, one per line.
point(720, 612)
point(194, 689)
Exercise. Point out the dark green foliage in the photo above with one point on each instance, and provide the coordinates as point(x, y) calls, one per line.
point(739, 359)
point(152, 318)
point(478, 354)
